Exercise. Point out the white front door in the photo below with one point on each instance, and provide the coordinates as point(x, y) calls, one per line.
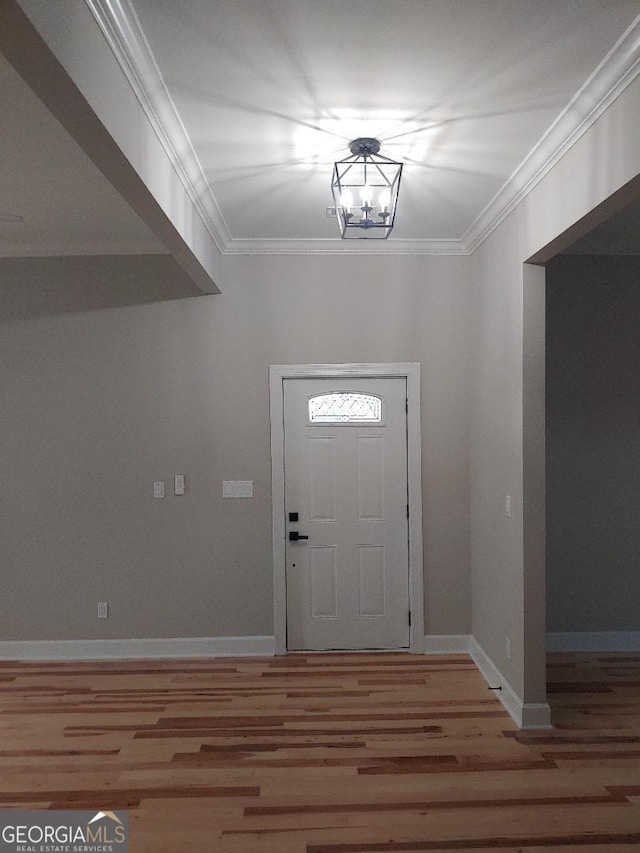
point(345, 454)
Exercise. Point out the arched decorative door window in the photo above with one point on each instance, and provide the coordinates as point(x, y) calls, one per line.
point(345, 407)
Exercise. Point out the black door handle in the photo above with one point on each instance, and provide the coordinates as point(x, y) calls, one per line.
point(294, 536)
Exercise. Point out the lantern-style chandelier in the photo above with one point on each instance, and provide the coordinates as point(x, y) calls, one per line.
point(365, 191)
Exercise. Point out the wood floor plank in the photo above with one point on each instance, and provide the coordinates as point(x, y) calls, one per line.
point(336, 753)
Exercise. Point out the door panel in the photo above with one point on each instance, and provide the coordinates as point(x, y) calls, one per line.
point(348, 583)
point(372, 580)
point(370, 477)
point(323, 577)
point(322, 478)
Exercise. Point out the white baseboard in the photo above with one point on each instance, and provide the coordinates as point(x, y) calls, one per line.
point(169, 647)
point(593, 641)
point(447, 644)
point(526, 715)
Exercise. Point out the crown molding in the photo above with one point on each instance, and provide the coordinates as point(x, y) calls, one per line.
point(122, 30)
point(330, 246)
point(616, 71)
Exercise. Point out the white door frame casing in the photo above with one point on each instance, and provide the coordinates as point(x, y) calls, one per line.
point(411, 372)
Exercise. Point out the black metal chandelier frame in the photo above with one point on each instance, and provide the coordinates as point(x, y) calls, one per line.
point(376, 179)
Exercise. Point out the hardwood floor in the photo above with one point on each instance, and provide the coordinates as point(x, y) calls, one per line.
point(335, 753)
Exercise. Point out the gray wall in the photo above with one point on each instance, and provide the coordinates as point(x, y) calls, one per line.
point(507, 578)
point(593, 449)
point(98, 402)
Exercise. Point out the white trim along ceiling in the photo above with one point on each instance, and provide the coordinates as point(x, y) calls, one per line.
point(121, 27)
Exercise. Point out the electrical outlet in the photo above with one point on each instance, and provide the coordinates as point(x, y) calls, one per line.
point(507, 648)
point(103, 610)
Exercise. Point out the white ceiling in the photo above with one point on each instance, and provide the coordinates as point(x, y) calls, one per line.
point(272, 91)
point(476, 97)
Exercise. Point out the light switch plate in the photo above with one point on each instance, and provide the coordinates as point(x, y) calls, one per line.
point(178, 484)
point(158, 489)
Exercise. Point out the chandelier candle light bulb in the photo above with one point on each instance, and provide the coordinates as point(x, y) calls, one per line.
point(346, 199)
